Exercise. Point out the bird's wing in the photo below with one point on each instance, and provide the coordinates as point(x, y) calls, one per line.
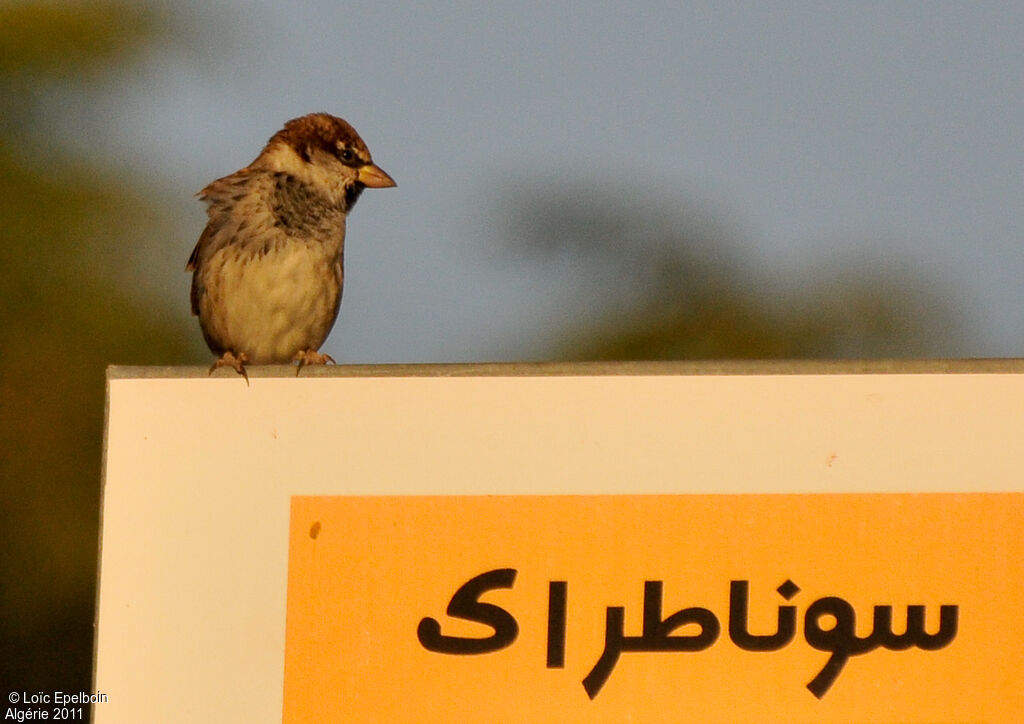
point(222, 198)
point(236, 207)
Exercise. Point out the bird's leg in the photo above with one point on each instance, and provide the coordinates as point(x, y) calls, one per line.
point(311, 357)
point(237, 363)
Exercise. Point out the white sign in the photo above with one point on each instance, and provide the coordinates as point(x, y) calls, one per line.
point(200, 516)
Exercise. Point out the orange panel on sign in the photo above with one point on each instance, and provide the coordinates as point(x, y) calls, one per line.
point(697, 608)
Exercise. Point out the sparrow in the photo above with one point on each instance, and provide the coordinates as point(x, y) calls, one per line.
point(267, 269)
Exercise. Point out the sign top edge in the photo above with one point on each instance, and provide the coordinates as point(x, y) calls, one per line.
point(587, 369)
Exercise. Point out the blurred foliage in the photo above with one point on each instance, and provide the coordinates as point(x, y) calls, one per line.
point(60, 39)
point(68, 308)
point(666, 282)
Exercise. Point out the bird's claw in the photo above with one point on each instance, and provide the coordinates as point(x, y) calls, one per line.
point(235, 362)
point(311, 357)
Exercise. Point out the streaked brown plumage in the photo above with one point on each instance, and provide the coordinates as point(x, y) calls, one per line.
point(267, 269)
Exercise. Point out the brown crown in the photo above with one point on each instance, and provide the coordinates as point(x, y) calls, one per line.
point(319, 130)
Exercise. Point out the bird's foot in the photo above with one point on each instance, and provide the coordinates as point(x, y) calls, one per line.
point(311, 357)
point(237, 363)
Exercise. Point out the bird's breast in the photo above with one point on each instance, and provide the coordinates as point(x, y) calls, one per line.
point(273, 298)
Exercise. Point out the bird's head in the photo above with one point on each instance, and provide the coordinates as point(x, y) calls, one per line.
point(326, 152)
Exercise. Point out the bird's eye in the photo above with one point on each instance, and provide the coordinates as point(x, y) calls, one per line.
point(346, 155)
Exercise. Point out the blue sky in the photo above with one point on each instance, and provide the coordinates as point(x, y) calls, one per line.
point(808, 131)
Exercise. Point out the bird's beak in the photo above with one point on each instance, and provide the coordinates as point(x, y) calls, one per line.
point(373, 176)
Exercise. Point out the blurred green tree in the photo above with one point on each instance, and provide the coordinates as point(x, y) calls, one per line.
point(664, 281)
point(68, 307)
